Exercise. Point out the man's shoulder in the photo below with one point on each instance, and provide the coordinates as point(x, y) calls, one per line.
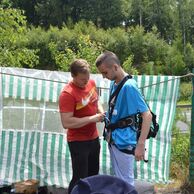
point(131, 83)
point(92, 82)
point(68, 89)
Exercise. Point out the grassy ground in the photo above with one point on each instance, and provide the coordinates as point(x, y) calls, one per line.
point(175, 187)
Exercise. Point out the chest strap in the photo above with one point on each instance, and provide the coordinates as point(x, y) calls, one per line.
point(122, 123)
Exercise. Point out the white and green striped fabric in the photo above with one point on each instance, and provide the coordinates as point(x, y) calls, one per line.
point(33, 142)
point(162, 99)
point(40, 155)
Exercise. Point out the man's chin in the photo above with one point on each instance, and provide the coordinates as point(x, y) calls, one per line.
point(81, 86)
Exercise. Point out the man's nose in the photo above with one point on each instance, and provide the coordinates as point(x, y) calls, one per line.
point(86, 81)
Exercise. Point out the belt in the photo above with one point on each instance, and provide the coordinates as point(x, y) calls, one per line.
point(126, 151)
point(130, 152)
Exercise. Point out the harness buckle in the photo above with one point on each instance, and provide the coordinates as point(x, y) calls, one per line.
point(125, 122)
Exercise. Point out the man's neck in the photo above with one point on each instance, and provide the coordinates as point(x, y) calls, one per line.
point(120, 76)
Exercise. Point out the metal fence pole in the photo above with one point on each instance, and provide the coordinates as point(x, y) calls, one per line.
point(191, 167)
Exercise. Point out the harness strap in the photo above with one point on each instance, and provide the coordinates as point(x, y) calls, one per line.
point(114, 95)
point(122, 123)
point(126, 151)
point(132, 152)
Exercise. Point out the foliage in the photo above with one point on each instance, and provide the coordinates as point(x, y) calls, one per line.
point(6, 4)
point(13, 25)
point(61, 57)
point(99, 12)
point(83, 40)
point(136, 42)
point(51, 12)
point(149, 51)
point(189, 57)
point(88, 50)
point(180, 156)
point(85, 49)
point(13, 50)
point(179, 166)
point(175, 64)
point(58, 48)
point(170, 17)
point(55, 48)
point(175, 59)
point(153, 13)
point(127, 66)
point(185, 92)
point(18, 58)
point(118, 42)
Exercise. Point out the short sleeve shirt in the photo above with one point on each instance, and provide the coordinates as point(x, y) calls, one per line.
point(82, 102)
point(129, 102)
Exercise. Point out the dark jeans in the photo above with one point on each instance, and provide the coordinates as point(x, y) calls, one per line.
point(84, 159)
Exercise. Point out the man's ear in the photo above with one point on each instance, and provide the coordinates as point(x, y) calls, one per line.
point(115, 66)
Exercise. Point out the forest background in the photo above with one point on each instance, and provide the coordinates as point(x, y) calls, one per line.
point(152, 37)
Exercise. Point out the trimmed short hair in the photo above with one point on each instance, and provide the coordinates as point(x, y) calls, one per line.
point(108, 58)
point(79, 66)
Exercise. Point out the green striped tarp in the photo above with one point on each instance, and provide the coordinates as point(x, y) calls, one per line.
point(43, 156)
point(41, 151)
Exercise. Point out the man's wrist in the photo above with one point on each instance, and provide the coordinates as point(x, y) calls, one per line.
point(141, 143)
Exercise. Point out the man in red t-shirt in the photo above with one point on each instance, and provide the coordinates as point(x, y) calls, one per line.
point(80, 111)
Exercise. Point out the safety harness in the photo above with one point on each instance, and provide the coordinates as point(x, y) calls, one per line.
point(131, 120)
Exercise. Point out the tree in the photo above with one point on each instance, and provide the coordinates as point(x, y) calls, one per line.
point(12, 40)
point(149, 13)
point(185, 12)
point(105, 14)
point(52, 12)
point(29, 9)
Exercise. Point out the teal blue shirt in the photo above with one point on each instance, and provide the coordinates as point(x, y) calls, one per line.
point(129, 101)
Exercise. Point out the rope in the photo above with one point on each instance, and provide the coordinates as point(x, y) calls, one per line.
point(57, 81)
point(33, 78)
point(178, 77)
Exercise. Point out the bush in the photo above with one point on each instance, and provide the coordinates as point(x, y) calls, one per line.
point(185, 92)
point(13, 40)
point(179, 167)
point(180, 150)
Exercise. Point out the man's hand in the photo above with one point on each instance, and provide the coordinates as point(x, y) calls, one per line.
point(69, 121)
point(99, 117)
point(140, 151)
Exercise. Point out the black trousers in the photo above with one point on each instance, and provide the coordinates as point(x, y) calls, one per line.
point(84, 159)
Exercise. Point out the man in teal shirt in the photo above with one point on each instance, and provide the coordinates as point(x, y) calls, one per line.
point(128, 102)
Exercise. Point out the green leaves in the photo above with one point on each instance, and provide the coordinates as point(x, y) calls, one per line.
point(54, 48)
point(13, 51)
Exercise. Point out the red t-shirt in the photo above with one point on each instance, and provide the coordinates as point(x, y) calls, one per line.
point(82, 102)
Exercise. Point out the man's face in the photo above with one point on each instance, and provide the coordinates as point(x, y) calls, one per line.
point(107, 71)
point(81, 79)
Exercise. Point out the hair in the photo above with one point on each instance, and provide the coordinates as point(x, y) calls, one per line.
point(79, 66)
point(108, 58)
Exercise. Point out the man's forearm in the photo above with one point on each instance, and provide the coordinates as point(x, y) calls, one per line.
point(147, 118)
point(100, 108)
point(75, 122)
